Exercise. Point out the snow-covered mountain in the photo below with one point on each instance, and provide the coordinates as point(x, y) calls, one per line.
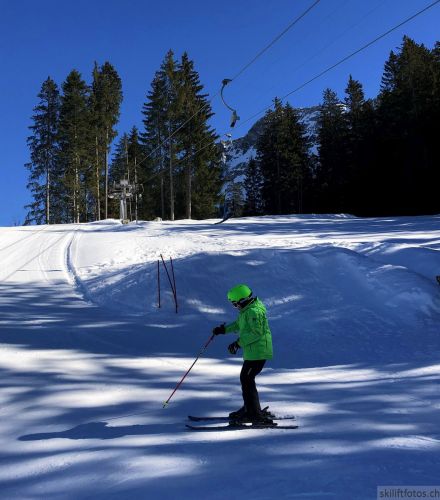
point(87, 358)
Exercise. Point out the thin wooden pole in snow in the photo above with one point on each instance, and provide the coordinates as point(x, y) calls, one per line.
point(169, 279)
point(174, 282)
point(158, 281)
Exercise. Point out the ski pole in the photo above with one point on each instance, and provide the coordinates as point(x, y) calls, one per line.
point(202, 350)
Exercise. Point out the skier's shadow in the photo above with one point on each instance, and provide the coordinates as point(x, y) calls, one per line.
point(92, 430)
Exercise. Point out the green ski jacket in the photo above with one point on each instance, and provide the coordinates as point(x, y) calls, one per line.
point(255, 337)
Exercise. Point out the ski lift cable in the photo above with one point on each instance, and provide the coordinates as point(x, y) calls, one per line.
point(352, 54)
point(226, 81)
point(332, 41)
point(273, 42)
point(240, 72)
point(346, 58)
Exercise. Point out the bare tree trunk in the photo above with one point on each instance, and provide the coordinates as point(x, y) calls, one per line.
point(278, 186)
point(171, 184)
point(136, 188)
point(48, 177)
point(106, 174)
point(47, 195)
point(188, 191)
point(127, 164)
point(76, 217)
point(74, 197)
point(162, 197)
point(97, 178)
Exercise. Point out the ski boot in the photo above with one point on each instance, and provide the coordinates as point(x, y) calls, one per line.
point(238, 414)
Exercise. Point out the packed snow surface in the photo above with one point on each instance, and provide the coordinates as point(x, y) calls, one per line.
point(87, 358)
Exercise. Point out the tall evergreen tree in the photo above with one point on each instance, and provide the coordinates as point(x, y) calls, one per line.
point(253, 184)
point(183, 158)
point(135, 154)
point(332, 141)
point(153, 141)
point(119, 166)
point(106, 99)
point(196, 142)
point(206, 183)
point(160, 123)
point(43, 148)
point(74, 141)
point(407, 118)
point(283, 156)
point(169, 77)
point(356, 154)
point(98, 142)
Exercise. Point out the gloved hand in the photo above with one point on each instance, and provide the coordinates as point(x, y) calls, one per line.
point(234, 347)
point(219, 330)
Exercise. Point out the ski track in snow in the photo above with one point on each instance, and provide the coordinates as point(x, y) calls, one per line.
point(87, 358)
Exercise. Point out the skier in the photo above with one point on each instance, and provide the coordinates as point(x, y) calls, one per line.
point(256, 340)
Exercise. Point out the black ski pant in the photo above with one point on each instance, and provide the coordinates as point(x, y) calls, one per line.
point(248, 373)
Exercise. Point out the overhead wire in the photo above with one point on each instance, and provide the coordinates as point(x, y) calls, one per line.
point(346, 58)
point(352, 54)
point(267, 47)
point(334, 40)
point(240, 72)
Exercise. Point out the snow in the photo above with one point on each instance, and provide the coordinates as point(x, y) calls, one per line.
point(87, 359)
point(239, 158)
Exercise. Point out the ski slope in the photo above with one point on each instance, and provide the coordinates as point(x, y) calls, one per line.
point(87, 358)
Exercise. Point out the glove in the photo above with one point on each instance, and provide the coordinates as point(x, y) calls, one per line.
point(219, 330)
point(234, 347)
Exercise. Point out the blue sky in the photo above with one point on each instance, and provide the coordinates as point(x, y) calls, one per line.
point(50, 38)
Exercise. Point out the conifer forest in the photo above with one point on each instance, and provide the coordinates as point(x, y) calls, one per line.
point(363, 156)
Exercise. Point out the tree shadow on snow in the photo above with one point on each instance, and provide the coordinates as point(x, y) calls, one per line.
point(92, 430)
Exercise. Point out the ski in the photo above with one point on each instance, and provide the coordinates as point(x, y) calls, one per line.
point(238, 427)
point(222, 418)
point(227, 418)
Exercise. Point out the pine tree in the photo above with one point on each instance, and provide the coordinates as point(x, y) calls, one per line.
point(153, 171)
point(206, 183)
point(160, 121)
point(74, 146)
point(332, 162)
point(183, 158)
point(98, 146)
point(356, 152)
point(236, 200)
point(43, 148)
point(169, 77)
point(407, 118)
point(283, 156)
point(106, 100)
point(196, 141)
point(434, 179)
point(135, 154)
point(253, 184)
point(119, 166)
